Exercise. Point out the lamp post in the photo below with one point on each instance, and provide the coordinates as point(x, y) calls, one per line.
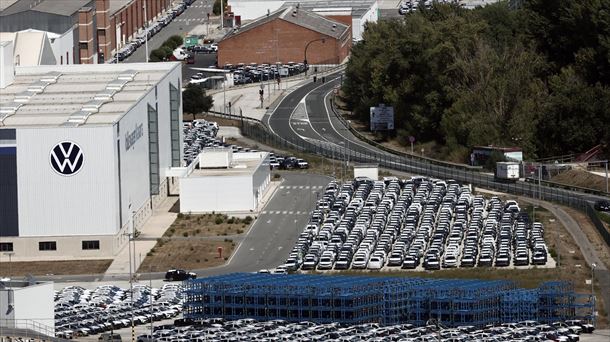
point(593, 266)
point(323, 40)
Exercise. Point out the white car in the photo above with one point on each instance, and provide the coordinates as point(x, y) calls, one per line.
point(375, 263)
point(302, 164)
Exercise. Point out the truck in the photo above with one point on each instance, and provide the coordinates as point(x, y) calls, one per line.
point(507, 171)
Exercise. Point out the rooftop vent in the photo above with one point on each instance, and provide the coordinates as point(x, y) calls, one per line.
point(8, 109)
point(105, 95)
point(50, 77)
point(117, 84)
point(77, 118)
point(93, 106)
point(24, 96)
point(127, 75)
point(38, 87)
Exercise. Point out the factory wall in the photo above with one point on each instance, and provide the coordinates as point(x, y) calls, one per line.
point(54, 204)
point(199, 194)
point(35, 303)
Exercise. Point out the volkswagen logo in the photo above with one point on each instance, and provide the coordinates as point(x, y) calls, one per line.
point(66, 158)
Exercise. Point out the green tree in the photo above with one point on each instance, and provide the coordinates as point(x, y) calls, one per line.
point(195, 100)
point(157, 55)
point(216, 8)
point(176, 40)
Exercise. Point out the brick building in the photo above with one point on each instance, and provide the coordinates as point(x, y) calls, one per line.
point(96, 27)
point(283, 36)
point(120, 20)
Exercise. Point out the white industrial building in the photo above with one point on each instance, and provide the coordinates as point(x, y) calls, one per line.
point(362, 11)
point(85, 153)
point(27, 305)
point(225, 182)
point(366, 170)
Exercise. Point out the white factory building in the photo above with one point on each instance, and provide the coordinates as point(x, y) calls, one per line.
point(85, 151)
point(225, 181)
point(27, 305)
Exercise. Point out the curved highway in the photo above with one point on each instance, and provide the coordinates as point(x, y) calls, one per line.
point(305, 120)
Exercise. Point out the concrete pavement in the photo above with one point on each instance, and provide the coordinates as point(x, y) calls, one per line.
point(152, 229)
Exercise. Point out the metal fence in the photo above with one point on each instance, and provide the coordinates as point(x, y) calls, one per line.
point(26, 328)
point(405, 163)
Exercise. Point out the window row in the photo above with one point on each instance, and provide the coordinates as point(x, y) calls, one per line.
point(52, 245)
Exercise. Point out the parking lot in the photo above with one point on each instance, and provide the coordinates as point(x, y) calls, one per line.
point(84, 312)
point(418, 224)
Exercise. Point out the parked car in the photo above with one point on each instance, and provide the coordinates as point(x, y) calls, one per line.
point(602, 205)
point(179, 275)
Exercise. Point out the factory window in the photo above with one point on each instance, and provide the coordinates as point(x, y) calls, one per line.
point(6, 246)
point(153, 150)
point(83, 46)
point(47, 246)
point(174, 108)
point(91, 244)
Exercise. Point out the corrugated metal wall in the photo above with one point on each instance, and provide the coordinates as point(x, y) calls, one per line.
point(54, 204)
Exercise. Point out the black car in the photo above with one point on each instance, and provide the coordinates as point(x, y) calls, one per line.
point(179, 275)
point(602, 205)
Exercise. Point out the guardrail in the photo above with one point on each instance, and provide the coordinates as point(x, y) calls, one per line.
point(27, 328)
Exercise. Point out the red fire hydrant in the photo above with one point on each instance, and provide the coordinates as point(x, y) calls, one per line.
point(219, 252)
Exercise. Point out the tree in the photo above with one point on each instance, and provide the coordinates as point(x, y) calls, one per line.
point(176, 39)
point(216, 8)
point(195, 100)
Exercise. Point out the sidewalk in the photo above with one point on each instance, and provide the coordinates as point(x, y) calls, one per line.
point(247, 99)
point(154, 228)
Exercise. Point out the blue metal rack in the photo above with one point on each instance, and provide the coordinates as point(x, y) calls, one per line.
point(354, 300)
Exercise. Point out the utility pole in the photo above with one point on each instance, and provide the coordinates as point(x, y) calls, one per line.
point(222, 14)
point(151, 301)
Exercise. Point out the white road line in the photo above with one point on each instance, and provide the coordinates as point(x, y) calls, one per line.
point(282, 187)
point(290, 212)
point(284, 212)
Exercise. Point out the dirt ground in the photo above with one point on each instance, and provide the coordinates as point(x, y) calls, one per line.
point(22, 268)
point(192, 242)
point(188, 254)
point(603, 251)
point(207, 225)
point(581, 178)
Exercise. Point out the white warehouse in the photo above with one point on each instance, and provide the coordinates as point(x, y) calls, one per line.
point(84, 154)
point(225, 182)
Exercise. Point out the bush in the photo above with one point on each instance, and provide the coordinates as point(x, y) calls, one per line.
point(231, 220)
point(150, 253)
point(216, 7)
point(157, 55)
point(197, 231)
point(219, 220)
point(248, 219)
point(239, 231)
point(185, 234)
point(180, 215)
point(176, 39)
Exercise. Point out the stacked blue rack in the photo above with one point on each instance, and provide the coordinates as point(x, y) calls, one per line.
point(384, 300)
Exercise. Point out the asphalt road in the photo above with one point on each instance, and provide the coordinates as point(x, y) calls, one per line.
point(194, 15)
point(267, 243)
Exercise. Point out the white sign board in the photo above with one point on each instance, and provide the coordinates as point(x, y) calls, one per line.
point(382, 118)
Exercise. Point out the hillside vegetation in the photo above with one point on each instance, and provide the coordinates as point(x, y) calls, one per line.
point(537, 77)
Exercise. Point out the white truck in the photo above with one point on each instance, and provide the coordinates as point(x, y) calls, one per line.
point(507, 171)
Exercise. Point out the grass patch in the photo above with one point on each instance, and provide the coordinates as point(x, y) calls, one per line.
point(187, 254)
point(67, 267)
point(206, 225)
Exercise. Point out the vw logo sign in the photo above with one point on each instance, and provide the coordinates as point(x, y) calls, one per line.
point(66, 158)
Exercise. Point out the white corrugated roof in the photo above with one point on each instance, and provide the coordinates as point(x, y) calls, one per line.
point(75, 89)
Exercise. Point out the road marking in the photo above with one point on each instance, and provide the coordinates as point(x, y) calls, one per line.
point(301, 187)
point(290, 212)
point(251, 248)
point(268, 221)
point(264, 212)
point(282, 187)
point(278, 212)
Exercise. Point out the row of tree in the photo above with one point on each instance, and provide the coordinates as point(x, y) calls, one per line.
point(537, 76)
point(165, 51)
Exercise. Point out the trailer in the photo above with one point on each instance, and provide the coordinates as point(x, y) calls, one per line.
point(507, 171)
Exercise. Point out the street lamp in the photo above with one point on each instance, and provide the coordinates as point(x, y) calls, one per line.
point(593, 266)
point(323, 40)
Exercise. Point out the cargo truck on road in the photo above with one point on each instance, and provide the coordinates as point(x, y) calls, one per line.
point(507, 171)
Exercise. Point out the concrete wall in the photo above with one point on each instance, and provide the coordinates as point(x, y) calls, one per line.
point(359, 24)
point(250, 10)
point(31, 304)
point(282, 41)
point(370, 172)
point(7, 66)
point(63, 47)
point(200, 194)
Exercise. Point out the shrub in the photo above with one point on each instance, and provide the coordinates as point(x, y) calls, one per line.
point(197, 231)
point(248, 219)
point(185, 234)
point(176, 39)
point(150, 253)
point(239, 231)
point(206, 259)
point(219, 220)
point(231, 220)
point(180, 215)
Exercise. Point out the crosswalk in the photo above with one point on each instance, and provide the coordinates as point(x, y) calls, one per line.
point(284, 212)
point(301, 187)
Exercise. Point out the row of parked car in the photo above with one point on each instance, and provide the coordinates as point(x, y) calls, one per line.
point(150, 31)
point(83, 312)
point(217, 329)
point(251, 73)
point(418, 223)
point(200, 134)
